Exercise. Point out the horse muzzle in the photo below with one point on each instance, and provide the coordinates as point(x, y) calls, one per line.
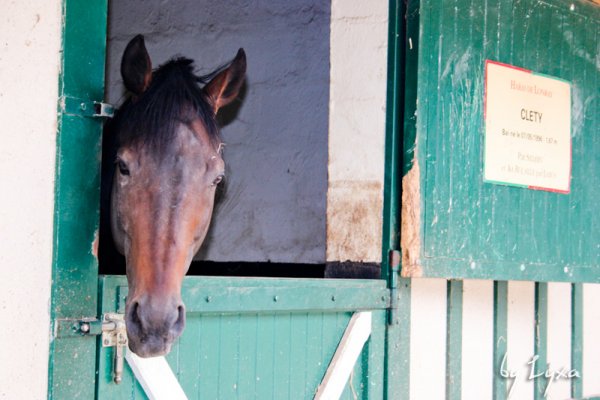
point(153, 324)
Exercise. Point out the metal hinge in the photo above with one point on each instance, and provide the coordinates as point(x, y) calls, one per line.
point(85, 108)
point(114, 334)
point(394, 260)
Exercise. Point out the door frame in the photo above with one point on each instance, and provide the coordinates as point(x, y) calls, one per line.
point(73, 359)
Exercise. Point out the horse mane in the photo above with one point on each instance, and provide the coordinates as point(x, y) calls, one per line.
point(174, 96)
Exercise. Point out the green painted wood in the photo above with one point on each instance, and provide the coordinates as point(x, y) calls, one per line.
point(541, 340)
point(454, 340)
point(472, 229)
point(397, 337)
point(254, 352)
point(500, 381)
point(577, 339)
point(397, 360)
point(74, 266)
point(394, 117)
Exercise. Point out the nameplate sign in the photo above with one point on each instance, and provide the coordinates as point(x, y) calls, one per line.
point(527, 129)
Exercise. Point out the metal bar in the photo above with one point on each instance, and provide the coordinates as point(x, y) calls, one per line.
point(499, 385)
point(393, 285)
point(577, 338)
point(84, 108)
point(541, 340)
point(454, 339)
point(397, 358)
point(394, 117)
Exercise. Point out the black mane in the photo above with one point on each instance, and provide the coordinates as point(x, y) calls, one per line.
point(174, 96)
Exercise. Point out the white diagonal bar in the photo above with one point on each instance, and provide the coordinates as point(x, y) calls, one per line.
point(341, 366)
point(156, 377)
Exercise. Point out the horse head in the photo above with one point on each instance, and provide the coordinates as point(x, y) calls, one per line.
point(168, 164)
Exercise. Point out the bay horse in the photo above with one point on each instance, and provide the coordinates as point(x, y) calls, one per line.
point(161, 165)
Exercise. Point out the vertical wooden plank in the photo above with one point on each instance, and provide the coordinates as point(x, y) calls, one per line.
point(208, 343)
point(521, 323)
point(428, 339)
point(454, 316)
point(591, 344)
point(500, 388)
point(298, 333)
point(265, 353)
point(577, 338)
point(559, 336)
point(76, 206)
point(228, 350)
point(373, 365)
point(282, 373)
point(314, 363)
point(246, 356)
point(540, 340)
point(188, 373)
point(478, 340)
point(398, 344)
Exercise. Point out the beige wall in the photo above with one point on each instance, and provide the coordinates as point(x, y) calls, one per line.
point(29, 65)
point(356, 129)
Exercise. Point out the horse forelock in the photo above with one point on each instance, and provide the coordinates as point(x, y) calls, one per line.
point(174, 97)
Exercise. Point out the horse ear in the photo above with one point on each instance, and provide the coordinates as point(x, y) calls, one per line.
point(136, 67)
point(225, 86)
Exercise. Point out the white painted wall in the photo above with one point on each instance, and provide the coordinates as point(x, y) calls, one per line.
point(356, 129)
point(29, 66)
point(478, 335)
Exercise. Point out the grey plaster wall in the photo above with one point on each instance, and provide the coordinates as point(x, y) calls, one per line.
point(273, 206)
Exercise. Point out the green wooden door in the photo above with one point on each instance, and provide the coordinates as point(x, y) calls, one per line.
point(245, 338)
point(260, 338)
point(457, 225)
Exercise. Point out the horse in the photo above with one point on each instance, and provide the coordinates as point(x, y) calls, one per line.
point(162, 163)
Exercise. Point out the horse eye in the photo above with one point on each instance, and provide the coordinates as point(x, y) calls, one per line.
point(217, 180)
point(122, 167)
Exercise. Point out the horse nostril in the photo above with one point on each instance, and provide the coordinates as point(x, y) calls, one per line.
point(135, 313)
point(179, 323)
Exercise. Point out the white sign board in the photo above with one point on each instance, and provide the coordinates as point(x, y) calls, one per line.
point(527, 129)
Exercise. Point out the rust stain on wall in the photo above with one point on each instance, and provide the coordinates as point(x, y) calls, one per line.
point(354, 216)
point(410, 234)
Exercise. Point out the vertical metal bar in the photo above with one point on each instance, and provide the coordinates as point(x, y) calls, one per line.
point(500, 390)
point(396, 362)
point(541, 340)
point(454, 340)
point(577, 338)
point(393, 148)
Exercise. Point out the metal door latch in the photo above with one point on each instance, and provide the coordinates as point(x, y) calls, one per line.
point(85, 108)
point(114, 334)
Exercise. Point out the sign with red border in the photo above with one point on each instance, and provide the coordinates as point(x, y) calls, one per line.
point(527, 129)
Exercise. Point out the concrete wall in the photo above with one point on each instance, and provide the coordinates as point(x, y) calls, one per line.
point(29, 65)
point(356, 130)
point(273, 207)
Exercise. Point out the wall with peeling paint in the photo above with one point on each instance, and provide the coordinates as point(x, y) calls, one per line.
point(29, 66)
point(356, 130)
point(274, 203)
